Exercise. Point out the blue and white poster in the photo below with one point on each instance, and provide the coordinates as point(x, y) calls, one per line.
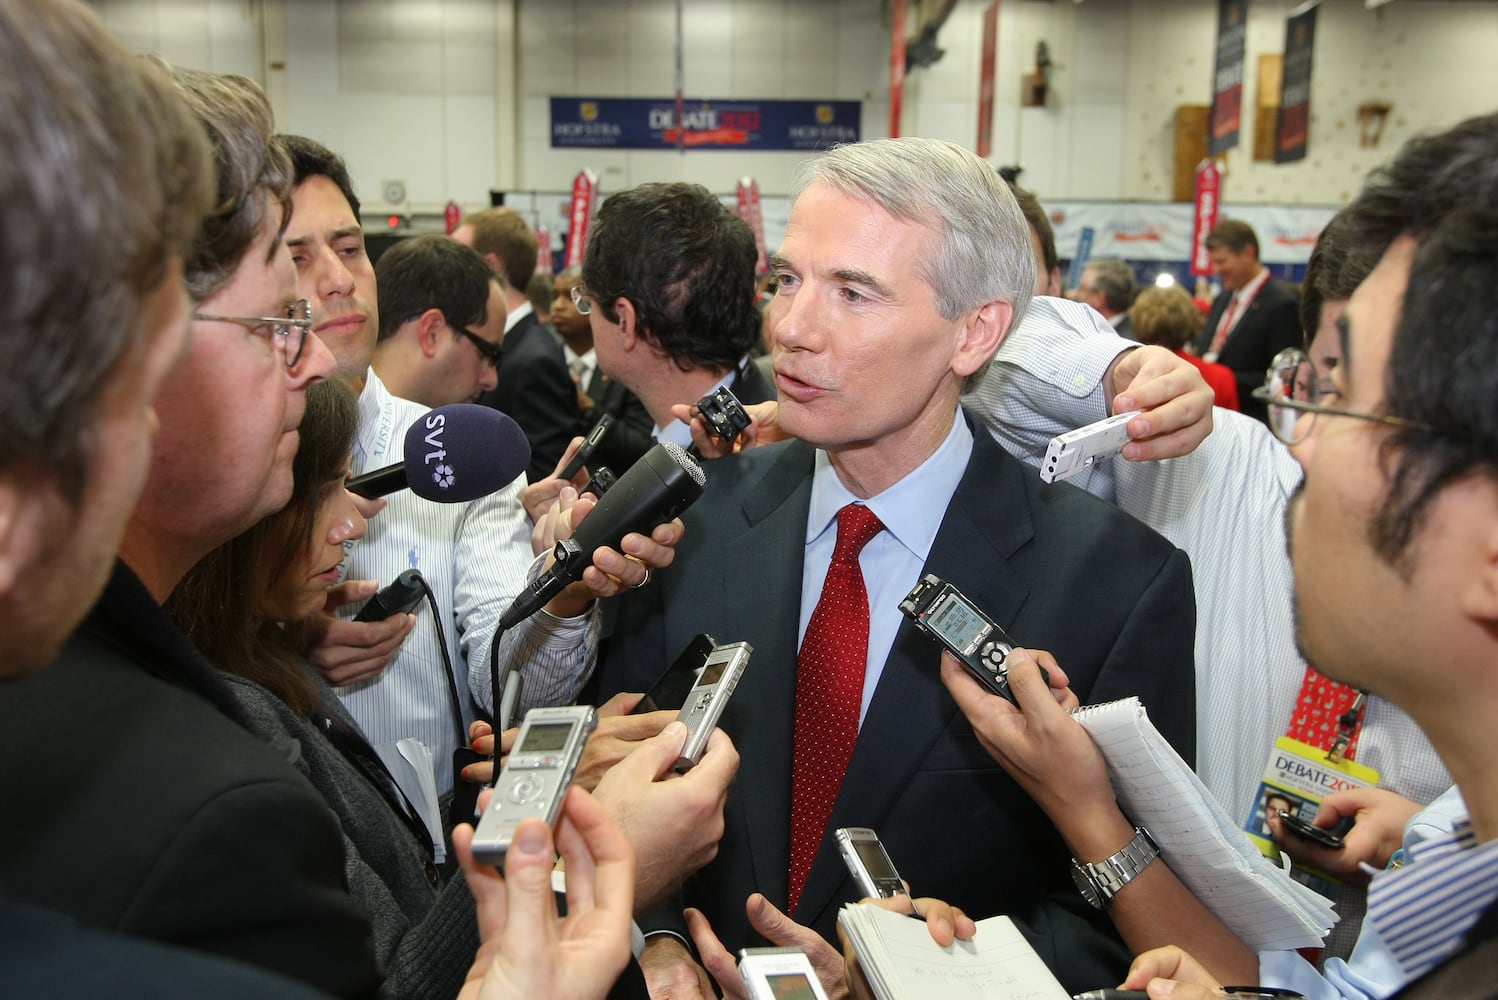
point(649, 123)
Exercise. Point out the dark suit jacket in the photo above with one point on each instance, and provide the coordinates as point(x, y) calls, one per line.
point(1270, 324)
point(1057, 568)
point(629, 436)
point(135, 802)
point(536, 390)
point(46, 955)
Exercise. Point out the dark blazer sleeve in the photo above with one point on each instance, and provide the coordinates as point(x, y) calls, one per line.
point(1160, 630)
point(46, 955)
point(216, 888)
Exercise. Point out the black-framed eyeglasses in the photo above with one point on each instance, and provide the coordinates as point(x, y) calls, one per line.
point(289, 331)
point(582, 300)
point(1293, 395)
point(489, 351)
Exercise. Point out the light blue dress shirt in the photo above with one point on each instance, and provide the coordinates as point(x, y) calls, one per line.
point(912, 512)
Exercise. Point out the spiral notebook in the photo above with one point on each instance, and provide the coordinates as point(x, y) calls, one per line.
point(1208, 851)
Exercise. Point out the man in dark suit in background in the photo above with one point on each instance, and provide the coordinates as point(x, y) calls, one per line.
point(1108, 286)
point(891, 293)
point(1254, 317)
point(668, 286)
point(598, 394)
point(534, 388)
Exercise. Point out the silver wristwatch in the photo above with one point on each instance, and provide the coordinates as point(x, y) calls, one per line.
point(1099, 883)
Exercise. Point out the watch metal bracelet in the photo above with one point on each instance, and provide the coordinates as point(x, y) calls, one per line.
point(1099, 882)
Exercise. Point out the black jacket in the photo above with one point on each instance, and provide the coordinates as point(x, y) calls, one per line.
point(135, 801)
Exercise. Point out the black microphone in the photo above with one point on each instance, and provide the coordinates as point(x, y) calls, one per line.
point(662, 484)
point(454, 453)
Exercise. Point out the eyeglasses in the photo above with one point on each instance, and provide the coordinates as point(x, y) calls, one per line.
point(290, 331)
point(490, 351)
point(1293, 394)
point(582, 300)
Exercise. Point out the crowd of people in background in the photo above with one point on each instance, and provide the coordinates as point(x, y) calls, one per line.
point(223, 778)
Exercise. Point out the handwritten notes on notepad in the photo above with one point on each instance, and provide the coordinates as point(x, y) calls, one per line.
point(901, 961)
point(1206, 849)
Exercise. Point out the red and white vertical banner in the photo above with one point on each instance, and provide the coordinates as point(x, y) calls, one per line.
point(580, 217)
point(986, 69)
point(896, 66)
point(452, 215)
point(750, 211)
point(1204, 214)
point(543, 250)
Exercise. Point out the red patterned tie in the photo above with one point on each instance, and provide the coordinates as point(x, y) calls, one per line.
point(829, 689)
point(1318, 710)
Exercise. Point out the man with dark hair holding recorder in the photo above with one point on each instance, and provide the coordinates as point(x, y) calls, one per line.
point(668, 286)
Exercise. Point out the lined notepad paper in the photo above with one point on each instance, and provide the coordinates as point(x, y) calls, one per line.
point(1206, 849)
point(901, 962)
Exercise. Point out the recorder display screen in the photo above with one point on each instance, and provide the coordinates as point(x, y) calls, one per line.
point(790, 986)
point(713, 672)
point(874, 859)
point(955, 622)
point(547, 736)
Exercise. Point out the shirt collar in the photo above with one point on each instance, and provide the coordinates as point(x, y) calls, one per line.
point(1248, 291)
point(517, 314)
point(912, 509)
point(678, 432)
point(589, 357)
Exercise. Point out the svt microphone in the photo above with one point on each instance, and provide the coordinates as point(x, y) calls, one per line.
point(662, 484)
point(454, 453)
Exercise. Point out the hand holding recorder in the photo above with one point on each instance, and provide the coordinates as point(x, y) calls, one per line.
point(674, 821)
point(1174, 400)
point(526, 950)
point(943, 920)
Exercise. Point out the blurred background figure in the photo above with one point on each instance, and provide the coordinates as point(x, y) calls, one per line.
point(1169, 318)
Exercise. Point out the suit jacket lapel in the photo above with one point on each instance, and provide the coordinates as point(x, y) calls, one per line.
point(598, 385)
point(761, 563)
point(911, 708)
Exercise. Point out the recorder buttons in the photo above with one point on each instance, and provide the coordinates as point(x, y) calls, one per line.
point(992, 654)
point(525, 789)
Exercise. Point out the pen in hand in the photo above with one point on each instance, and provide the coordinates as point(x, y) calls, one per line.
point(1228, 993)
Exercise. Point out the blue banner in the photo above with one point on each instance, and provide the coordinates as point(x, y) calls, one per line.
point(1080, 258)
point(646, 123)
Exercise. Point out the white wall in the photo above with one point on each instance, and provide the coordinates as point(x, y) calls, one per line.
point(451, 96)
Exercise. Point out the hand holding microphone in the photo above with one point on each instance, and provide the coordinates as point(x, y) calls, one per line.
point(657, 488)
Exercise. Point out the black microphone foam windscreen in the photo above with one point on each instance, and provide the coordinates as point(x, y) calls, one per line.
point(463, 451)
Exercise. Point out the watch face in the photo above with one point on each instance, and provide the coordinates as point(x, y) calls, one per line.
point(1085, 885)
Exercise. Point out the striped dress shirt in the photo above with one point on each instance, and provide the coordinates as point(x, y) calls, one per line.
point(476, 557)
